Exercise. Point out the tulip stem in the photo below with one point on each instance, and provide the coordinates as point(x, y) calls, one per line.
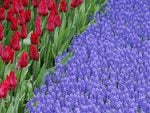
point(33, 73)
point(11, 95)
point(20, 75)
point(46, 52)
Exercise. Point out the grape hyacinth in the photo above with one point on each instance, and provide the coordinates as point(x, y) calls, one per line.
point(110, 69)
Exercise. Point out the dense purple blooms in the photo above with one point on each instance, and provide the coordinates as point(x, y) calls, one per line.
point(110, 69)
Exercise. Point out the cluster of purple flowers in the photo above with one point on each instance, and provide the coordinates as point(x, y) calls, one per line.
point(110, 69)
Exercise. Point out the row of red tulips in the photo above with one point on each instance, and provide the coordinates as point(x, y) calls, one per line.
point(15, 13)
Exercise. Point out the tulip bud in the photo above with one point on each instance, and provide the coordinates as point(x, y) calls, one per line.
point(75, 3)
point(18, 6)
point(53, 6)
point(34, 55)
point(57, 20)
point(6, 4)
point(24, 32)
point(25, 3)
point(10, 14)
point(34, 38)
point(4, 87)
point(22, 19)
point(23, 61)
point(38, 26)
point(42, 8)
point(35, 3)
point(63, 6)
point(51, 23)
point(27, 15)
point(15, 42)
point(14, 24)
point(2, 13)
point(7, 54)
point(12, 80)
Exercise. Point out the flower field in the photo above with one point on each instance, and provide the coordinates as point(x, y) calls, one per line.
point(75, 56)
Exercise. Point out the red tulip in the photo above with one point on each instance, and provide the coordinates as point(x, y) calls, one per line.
point(2, 13)
point(51, 23)
point(27, 15)
point(34, 55)
point(34, 38)
point(25, 3)
point(24, 32)
point(75, 3)
point(15, 42)
point(7, 54)
point(22, 19)
point(23, 61)
point(50, 4)
point(53, 6)
point(4, 87)
point(63, 6)
point(57, 20)
point(42, 8)
point(6, 4)
point(38, 26)
point(18, 6)
point(1, 32)
point(10, 14)
point(52, 13)
point(12, 80)
point(14, 24)
point(35, 3)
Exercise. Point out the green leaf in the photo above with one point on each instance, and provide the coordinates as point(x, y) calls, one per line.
point(64, 60)
point(10, 108)
point(64, 47)
point(40, 77)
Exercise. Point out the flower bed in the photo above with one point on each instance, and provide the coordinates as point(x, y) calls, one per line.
point(109, 71)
